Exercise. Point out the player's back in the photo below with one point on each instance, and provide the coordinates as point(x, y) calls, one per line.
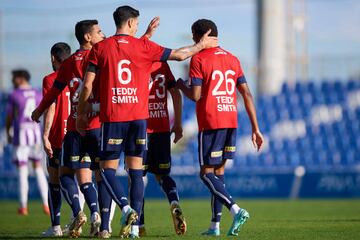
point(24, 101)
point(217, 71)
point(125, 64)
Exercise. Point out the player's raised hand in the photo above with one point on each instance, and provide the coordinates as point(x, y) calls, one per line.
point(154, 23)
point(257, 139)
point(35, 115)
point(209, 41)
point(178, 131)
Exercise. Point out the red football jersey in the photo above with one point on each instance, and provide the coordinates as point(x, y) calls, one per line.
point(124, 66)
point(161, 80)
point(71, 74)
point(218, 73)
point(62, 111)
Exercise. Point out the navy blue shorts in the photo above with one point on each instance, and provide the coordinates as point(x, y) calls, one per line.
point(81, 151)
point(157, 158)
point(117, 137)
point(216, 145)
point(54, 162)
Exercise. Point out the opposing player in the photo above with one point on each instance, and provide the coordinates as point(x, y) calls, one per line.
point(214, 76)
point(157, 160)
point(26, 138)
point(123, 65)
point(79, 153)
point(55, 118)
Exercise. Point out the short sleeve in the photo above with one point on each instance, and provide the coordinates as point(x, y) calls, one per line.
point(196, 76)
point(62, 77)
point(46, 85)
point(94, 56)
point(155, 52)
point(240, 75)
point(169, 77)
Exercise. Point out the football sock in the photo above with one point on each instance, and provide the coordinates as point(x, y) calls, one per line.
point(142, 216)
point(216, 205)
point(23, 185)
point(114, 187)
point(215, 225)
point(234, 209)
point(168, 185)
point(90, 195)
point(42, 184)
point(104, 204)
point(216, 187)
point(136, 191)
point(54, 203)
point(70, 192)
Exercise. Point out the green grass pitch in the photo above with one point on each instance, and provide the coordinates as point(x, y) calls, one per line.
point(269, 219)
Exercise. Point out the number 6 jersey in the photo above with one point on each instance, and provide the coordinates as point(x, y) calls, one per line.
point(218, 73)
point(123, 65)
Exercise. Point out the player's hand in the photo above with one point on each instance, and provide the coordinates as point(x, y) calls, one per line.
point(208, 42)
point(178, 131)
point(257, 139)
point(35, 115)
point(81, 122)
point(47, 147)
point(155, 22)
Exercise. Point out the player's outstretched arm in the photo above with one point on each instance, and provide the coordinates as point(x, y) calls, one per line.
point(257, 137)
point(45, 103)
point(193, 92)
point(185, 52)
point(154, 23)
point(83, 101)
point(177, 103)
point(48, 121)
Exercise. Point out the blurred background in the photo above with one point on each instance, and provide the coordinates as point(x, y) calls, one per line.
point(302, 62)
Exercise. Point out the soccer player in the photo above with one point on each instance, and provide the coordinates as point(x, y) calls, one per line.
point(79, 153)
point(55, 118)
point(123, 65)
point(157, 160)
point(26, 137)
point(214, 75)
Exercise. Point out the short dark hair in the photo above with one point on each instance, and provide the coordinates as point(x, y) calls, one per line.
point(21, 73)
point(201, 26)
point(83, 27)
point(124, 13)
point(60, 51)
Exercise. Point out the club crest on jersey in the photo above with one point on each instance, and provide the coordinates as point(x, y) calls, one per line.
point(115, 141)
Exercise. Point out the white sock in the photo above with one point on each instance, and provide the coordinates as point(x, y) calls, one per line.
point(81, 198)
point(135, 229)
point(215, 225)
point(112, 213)
point(174, 202)
point(42, 184)
point(57, 227)
point(234, 209)
point(125, 209)
point(23, 185)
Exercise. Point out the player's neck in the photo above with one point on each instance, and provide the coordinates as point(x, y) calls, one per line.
point(86, 46)
point(24, 86)
point(121, 31)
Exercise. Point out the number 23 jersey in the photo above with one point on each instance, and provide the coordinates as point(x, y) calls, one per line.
point(218, 73)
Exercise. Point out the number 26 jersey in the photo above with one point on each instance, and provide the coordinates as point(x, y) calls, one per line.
point(218, 72)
